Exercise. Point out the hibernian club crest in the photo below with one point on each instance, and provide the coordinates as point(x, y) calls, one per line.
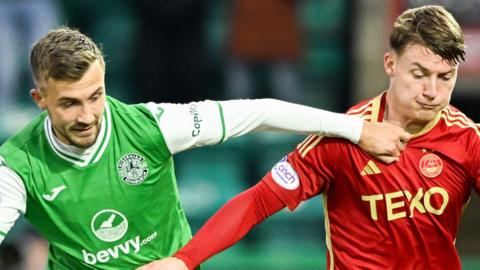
point(132, 168)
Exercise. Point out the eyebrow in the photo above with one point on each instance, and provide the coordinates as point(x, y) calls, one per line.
point(99, 89)
point(63, 99)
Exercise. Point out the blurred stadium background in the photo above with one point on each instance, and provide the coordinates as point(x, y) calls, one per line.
point(343, 42)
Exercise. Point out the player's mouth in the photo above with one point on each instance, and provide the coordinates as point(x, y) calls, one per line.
point(425, 106)
point(84, 131)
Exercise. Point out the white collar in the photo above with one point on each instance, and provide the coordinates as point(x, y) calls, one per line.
point(79, 156)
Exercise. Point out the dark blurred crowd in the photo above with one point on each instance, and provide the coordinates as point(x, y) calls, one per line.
point(163, 50)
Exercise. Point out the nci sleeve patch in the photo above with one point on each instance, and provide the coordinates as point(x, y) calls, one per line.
point(285, 175)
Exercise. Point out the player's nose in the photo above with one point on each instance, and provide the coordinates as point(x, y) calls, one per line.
point(86, 115)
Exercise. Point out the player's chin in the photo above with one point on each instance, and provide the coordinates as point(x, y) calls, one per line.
point(84, 141)
point(426, 116)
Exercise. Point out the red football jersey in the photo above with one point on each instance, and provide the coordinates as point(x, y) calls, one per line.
point(377, 216)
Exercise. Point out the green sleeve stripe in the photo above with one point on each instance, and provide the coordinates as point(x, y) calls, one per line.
point(3, 234)
point(222, 120)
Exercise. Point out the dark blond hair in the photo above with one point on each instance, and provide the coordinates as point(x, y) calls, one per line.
point(430, 26)
point(63, 54)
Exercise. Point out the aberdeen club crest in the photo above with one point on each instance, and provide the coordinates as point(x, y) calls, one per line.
point(132, 169)
point(431, 165)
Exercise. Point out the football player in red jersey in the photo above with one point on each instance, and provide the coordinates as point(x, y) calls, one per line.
point(378, 216)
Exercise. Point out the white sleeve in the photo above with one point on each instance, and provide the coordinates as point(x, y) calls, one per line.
point(244, 116)
point(12, 199)
point(185, 126)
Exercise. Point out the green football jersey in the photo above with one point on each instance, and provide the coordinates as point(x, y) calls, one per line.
point(115, 208)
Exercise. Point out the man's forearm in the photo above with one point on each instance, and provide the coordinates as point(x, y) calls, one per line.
point(243, 116)
point(196, 124)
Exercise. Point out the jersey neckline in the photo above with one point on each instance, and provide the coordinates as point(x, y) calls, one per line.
point(77, 156)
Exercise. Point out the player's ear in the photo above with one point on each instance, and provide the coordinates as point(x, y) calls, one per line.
point(38, 98)
point(389, 63)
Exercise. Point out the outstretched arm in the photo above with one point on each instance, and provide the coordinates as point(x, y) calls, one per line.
point(230, 224)
point(186, 126)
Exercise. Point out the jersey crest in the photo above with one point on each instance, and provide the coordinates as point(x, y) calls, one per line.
point(132, 169)
point(431, 165)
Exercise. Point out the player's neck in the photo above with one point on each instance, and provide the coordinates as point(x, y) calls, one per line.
point(393, 114)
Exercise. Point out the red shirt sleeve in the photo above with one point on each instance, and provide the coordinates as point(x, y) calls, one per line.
point(474, 154)
point(305, 172)
point(233, 221)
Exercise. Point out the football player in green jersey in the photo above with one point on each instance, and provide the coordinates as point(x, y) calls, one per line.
point(95, 176)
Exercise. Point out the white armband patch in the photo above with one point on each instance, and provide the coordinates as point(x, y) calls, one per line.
point(285, 175)
point(185, 126)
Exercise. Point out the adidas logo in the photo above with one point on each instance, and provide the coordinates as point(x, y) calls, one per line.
point(370, 169)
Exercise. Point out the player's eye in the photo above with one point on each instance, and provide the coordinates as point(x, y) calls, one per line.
point(418, 74)
point(68, 104)
point(96, 96)
point(446, 77)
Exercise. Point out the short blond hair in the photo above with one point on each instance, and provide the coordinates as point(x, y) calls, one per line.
point(431, 26)
point(63, 54)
